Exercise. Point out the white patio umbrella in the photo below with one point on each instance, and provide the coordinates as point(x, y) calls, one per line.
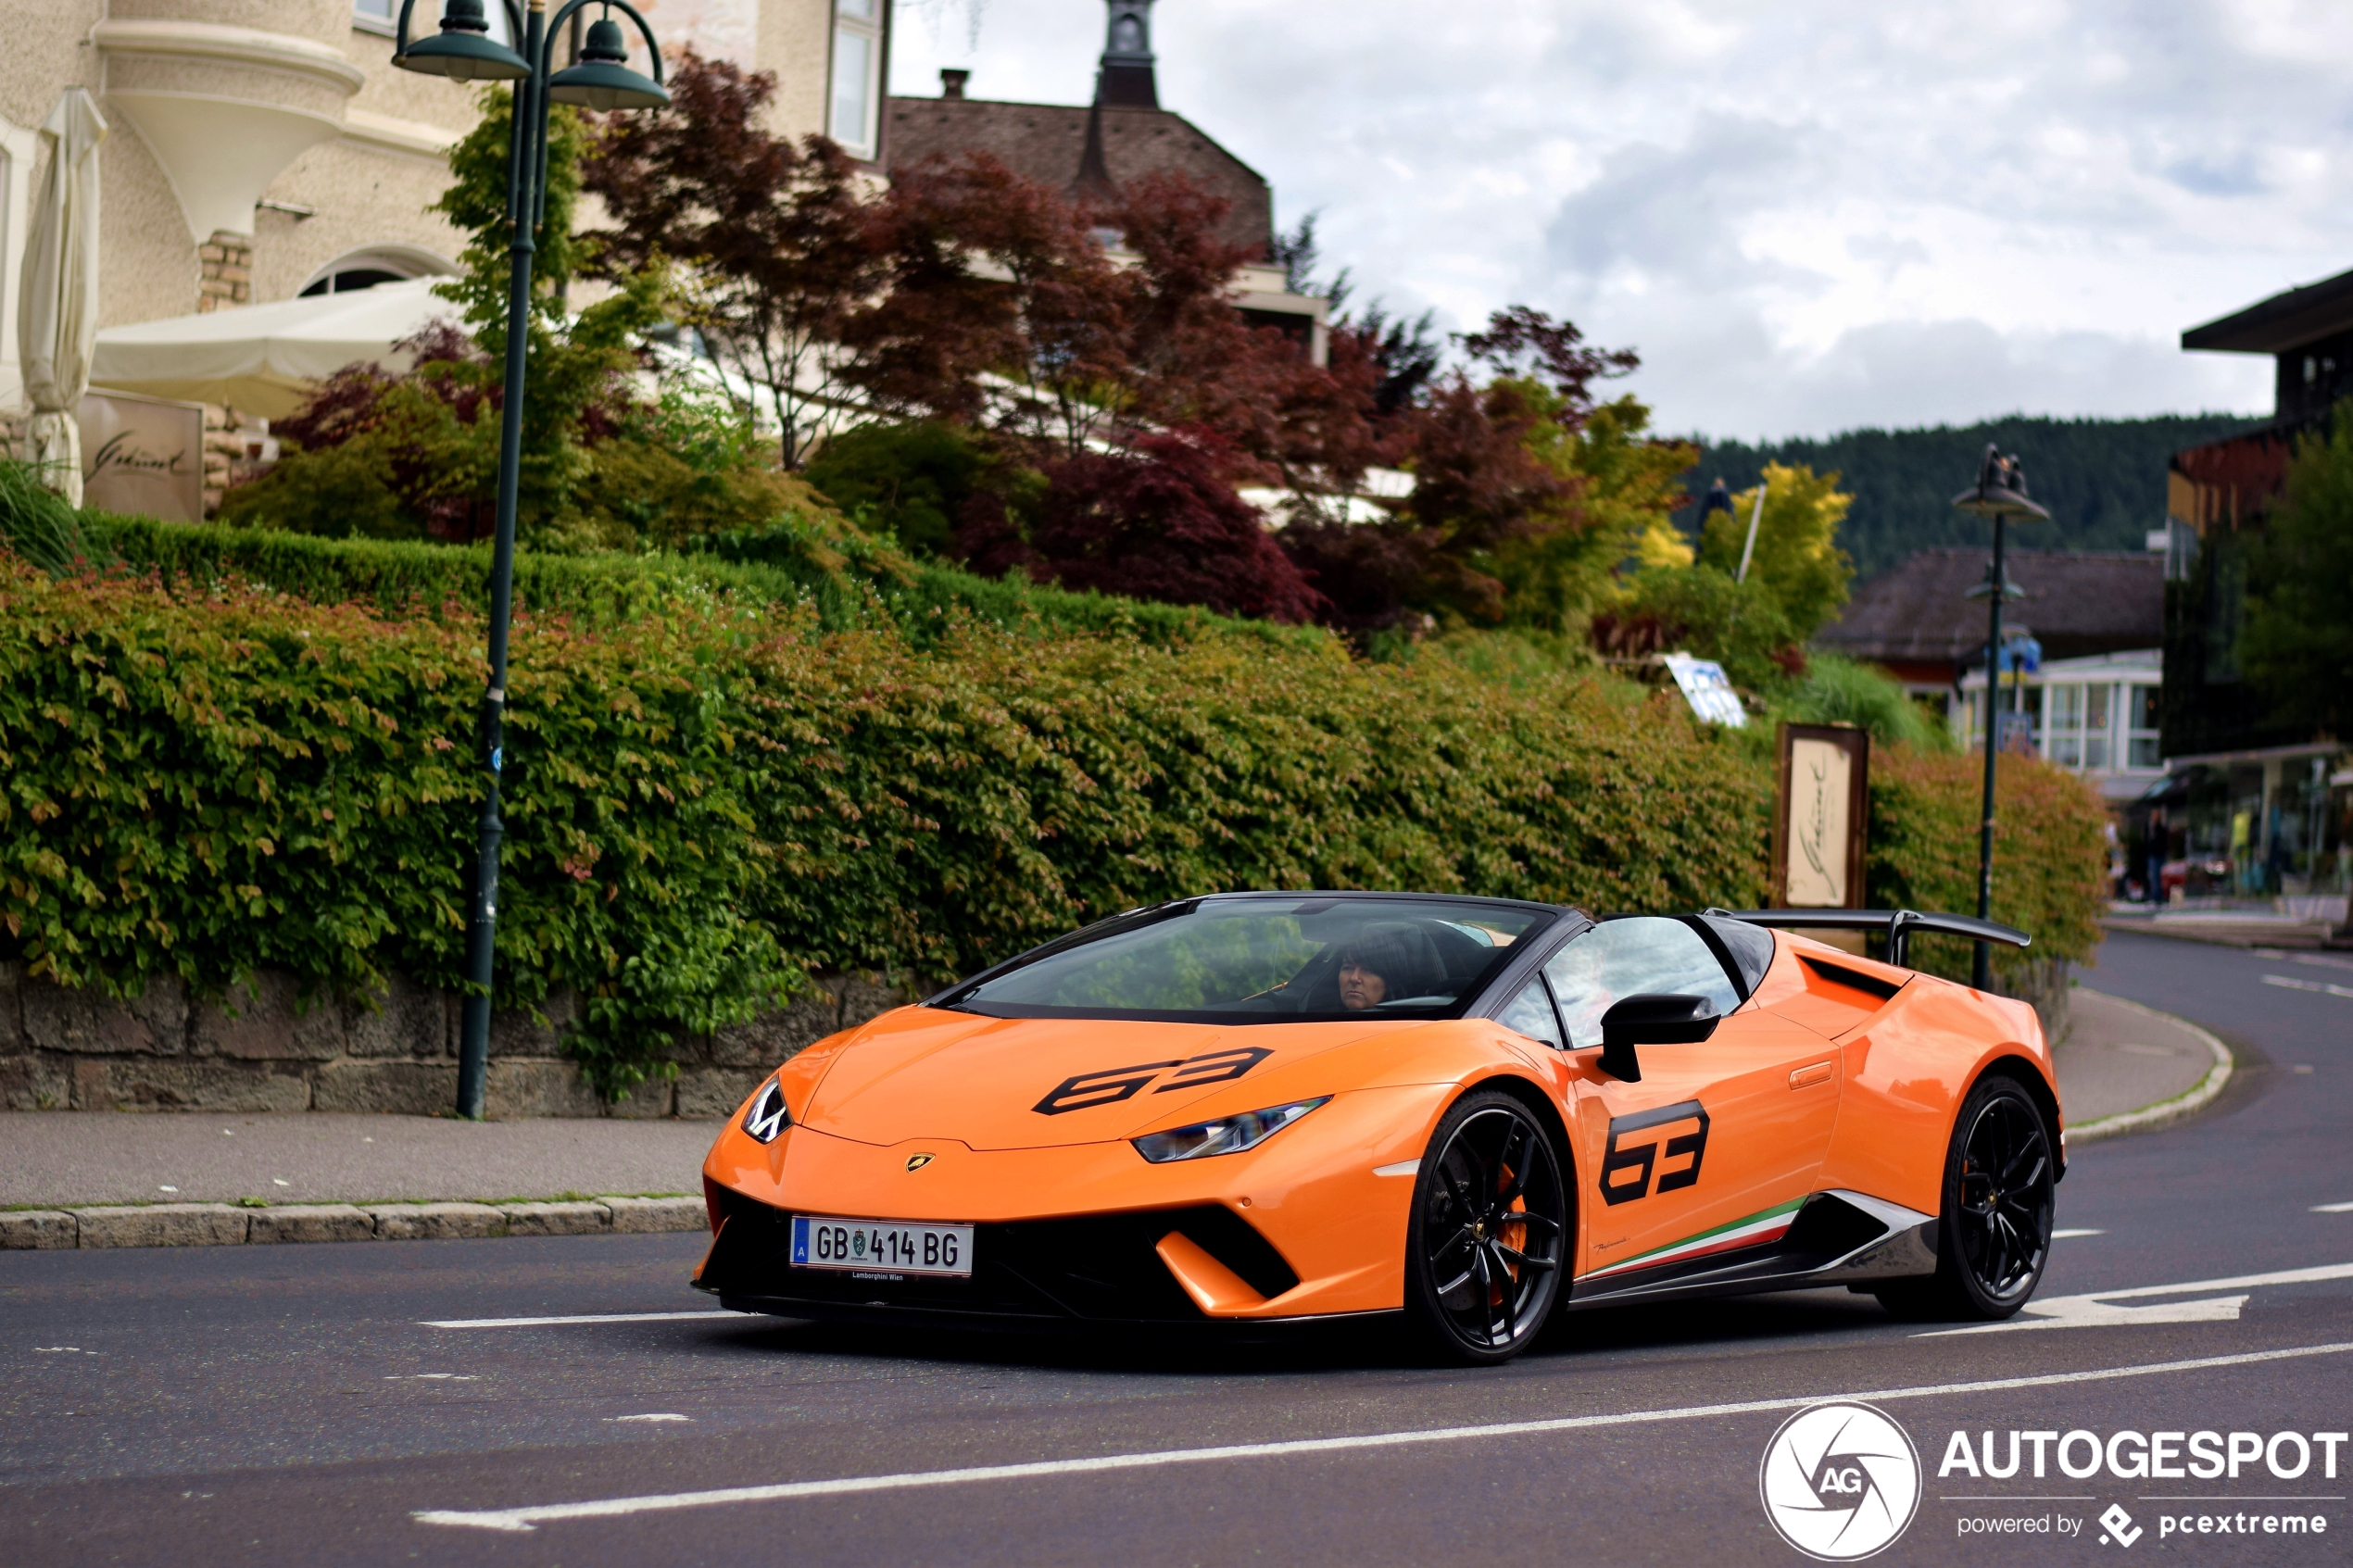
point(59, 314)
point(266, 359)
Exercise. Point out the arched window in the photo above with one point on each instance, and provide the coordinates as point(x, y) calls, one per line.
point(376, 264)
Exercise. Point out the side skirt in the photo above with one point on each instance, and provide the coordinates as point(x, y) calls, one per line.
point(1836, 1237)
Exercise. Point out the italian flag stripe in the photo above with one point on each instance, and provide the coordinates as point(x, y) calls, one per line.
point(1765, 1225)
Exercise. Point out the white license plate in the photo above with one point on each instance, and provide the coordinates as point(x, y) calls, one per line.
point(881, 1246)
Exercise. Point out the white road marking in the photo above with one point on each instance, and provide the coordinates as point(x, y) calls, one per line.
point(519, 1520)
point(275, 1182)
point(2091, 1310)
point(590, 1317)
point(2062, 1236)
point(2333, 1209)
point(167, 1189)
point(2294, 985)
point(56, 1350)
point(664, 1416)
point(432, 1377)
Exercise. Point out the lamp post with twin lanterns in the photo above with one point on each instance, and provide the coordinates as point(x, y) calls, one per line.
point(2000, 494)
point(600, 79)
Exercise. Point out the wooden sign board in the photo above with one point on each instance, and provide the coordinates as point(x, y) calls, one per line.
point(1822, 819)
point(143, 456)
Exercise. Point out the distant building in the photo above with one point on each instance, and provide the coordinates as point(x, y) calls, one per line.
point(1121, 135)
point(1916, 620)
point(261, 149)
point(2251, 806)
point(2094, 716)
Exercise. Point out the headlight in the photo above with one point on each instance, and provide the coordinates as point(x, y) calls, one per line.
point(767, 1117)
point(1227, 1134)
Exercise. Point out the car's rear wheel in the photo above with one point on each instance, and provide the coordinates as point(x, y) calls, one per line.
point(1994, 1232)
point(1488, 1238)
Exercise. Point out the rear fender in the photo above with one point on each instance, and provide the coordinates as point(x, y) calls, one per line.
point(1905, 1075)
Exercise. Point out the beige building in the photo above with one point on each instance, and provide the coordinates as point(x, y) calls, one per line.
point(260, 149)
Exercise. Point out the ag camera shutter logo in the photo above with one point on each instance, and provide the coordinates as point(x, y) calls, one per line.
point(1840, 1482)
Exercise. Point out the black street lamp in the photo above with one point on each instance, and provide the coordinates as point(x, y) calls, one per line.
point(2000, 494)
point(600, 78)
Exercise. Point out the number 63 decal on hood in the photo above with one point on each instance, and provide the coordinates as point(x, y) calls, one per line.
point(1628, 1152)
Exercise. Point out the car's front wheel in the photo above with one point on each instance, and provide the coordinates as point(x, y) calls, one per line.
point(1488, 1242)
point(1993, 1232)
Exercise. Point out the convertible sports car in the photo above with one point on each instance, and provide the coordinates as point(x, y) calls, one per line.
point(1272, 1109)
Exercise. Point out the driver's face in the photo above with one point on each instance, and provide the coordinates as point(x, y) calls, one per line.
point(1359, 988)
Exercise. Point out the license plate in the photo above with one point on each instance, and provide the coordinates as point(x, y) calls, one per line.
point(881, 1246)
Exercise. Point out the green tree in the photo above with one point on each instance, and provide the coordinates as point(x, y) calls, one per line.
point(1617, 507)
point(2299, 643)
point(1797, 559)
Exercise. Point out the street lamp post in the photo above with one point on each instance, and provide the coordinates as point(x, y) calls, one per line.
point(599, 78)
point(2000, 494)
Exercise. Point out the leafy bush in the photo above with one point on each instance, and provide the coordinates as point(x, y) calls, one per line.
point(705, 801)
point(909, 480)
point(1158, 522)
point(844, 578)
point(1837, 690)
point(2050, 855)
point(37, 523)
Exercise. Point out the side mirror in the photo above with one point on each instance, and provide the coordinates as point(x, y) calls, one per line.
point(1650, 1021)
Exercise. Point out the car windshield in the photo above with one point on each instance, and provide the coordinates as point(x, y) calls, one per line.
point(1266, 960)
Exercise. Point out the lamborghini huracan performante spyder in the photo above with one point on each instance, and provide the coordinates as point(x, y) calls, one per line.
point(1254, 1109)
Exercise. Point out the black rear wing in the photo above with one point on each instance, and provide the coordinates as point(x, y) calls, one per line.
point(1897, 925)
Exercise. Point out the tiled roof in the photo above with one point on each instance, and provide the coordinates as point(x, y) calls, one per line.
point(1042, 142)
point(2077, 602)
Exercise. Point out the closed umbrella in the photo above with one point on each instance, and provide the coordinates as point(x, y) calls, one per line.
point(268, 358)
point(57, 321)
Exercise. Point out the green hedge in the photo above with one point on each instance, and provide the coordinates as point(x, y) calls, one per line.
point(844, 582)
point(2050, 855)
point(706, 802)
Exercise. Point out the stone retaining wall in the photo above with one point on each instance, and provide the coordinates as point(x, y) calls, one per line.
point(260, 1050)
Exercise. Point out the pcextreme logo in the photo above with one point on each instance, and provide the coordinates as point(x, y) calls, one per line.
point(1840, 1482)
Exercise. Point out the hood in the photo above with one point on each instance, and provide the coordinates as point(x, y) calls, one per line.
point(994, 1082)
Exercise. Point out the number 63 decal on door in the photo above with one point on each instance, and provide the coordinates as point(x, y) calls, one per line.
point(1642, 1157)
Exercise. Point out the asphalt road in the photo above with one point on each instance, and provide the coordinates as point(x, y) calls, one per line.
point(298, 1404)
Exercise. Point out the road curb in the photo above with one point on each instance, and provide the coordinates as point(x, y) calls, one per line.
point(229, 1225)
point(2164, 1111)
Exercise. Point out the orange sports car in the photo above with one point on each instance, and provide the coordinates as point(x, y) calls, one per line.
point(1267, 1109)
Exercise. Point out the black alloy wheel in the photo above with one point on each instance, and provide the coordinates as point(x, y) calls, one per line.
point(1488, 1238)
point(1993, 1235)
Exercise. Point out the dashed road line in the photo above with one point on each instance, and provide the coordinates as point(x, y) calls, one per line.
point(2291, 982)
point(530, 1517)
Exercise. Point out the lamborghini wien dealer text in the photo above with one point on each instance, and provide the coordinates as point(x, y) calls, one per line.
point(1251, 1113)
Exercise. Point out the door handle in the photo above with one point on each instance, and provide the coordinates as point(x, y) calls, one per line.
point(1806, 1077)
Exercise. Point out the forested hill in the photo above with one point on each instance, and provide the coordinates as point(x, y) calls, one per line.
point(2102, 480)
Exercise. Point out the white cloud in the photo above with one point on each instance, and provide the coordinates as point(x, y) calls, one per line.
point(1803, 219)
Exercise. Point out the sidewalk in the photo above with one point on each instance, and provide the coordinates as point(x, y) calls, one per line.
point(2227, 927)
point(57, 1158)
point(2124, 1068)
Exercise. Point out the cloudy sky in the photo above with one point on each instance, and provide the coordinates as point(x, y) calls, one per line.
point(1805, 216)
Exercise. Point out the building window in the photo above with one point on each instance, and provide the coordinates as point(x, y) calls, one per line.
point(857, 89)
point(2140, 717)
point(2063, 737)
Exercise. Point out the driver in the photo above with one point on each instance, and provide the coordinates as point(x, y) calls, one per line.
point(1387, 963)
